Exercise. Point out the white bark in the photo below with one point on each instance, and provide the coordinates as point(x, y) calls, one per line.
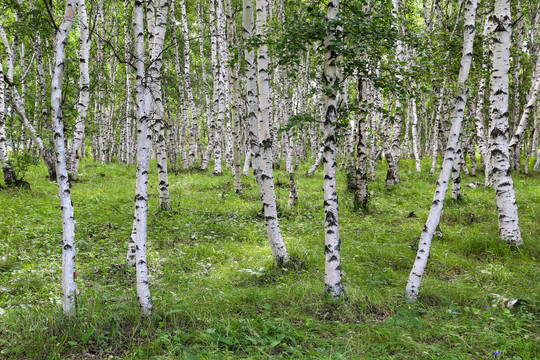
point(498, 131)
point(398, 112)
point(531, 101)
point(414, 125)
point(436, 130)
point(317, 161)
point(332, 240)
point(235, 119)
point(194, 126)
point(154, 99)
point(181, 100)
point(84, 92)
point(144, 143)
point(10, 177)
point(415, 277)
point(361, 194)
point(69, 286)
point(222, 130)
point(46, 152)
point(212, 121)
point(265, 143)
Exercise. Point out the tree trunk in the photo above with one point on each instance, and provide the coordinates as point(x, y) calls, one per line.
point(332, 249)
point(10, 178)
point(498, 131)
point(262, 172)
point(415, 277)
point(137, 251)
point(154, 100)
point(235, 119)
point(69, 287)
point(84, 92)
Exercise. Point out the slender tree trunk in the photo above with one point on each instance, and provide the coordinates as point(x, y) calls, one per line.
point(144, 140)
point(265, 143)
point(498, 131)
point(261, 145)
point(181, 100)
point(69, 287)
point(415, 277)
point(332, 273)
point(317, 161)
point(361, 194)
point(194, 127)
point(414, 125)
point(84, 92)
point(46, 152)
point(154, 100)
point(10, 178)
point(521, 127)
point(235, 119)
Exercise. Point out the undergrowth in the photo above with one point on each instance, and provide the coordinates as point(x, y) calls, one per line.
point(217, 295)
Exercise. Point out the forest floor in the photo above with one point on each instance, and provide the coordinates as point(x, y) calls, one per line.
point(217, 296)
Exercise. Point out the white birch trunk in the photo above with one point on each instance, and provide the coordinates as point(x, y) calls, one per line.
point(154, 100)
point(531, 102)
point(10, 178)
point(84, 92)
point(46, 152)
point(498, 131)
point(181, 100)
point(144, 143)
point(332, 240)
point(317, 161)
point(414, 125)
point(415, 277)
point(265, 143)
point(194, 126)
point(235, 119)
point(361, 194)
point(69, 286)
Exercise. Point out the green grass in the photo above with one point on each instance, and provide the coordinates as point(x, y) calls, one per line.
point(217, 295)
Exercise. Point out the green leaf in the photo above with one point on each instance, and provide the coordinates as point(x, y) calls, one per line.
point(86, 336)
point(228, 340)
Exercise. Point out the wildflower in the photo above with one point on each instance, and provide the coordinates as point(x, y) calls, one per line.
point(495, 354)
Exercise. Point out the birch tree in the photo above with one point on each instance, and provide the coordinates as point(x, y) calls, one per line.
point(256, 103)
point(84, 92)
point(415, 277)
point(332, 240)
point(137, 250)
point(498, 130)
point(69, 286)
point(10, 178)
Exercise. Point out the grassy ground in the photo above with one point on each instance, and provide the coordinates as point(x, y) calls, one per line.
point(217, 296)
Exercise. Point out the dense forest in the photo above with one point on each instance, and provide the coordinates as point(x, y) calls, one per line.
point(163, 160)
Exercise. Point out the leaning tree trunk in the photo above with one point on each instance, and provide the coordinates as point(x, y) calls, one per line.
point(498, 130)
point(531, 102)
point(84, 93)
point(69, 286)
point(415, 277)
point(18, 104)
point(332, 240)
